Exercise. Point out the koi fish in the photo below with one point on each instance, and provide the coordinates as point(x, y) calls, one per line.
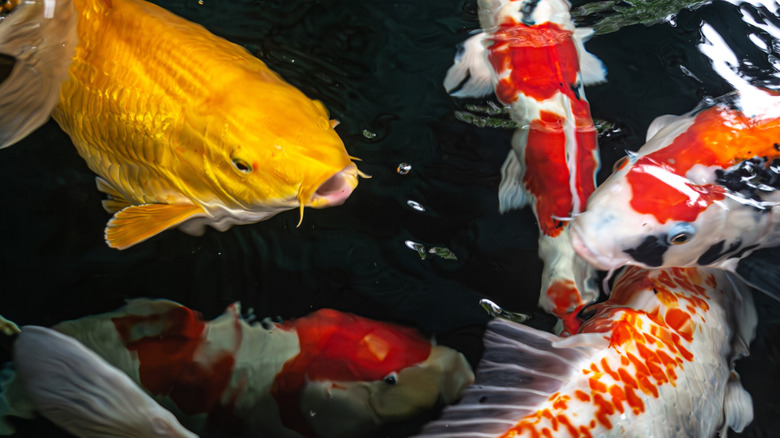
point(329, 374)
point(703, 191)
point(538, 66)
point(703, 188)
point(184, 128)
point(655, 359)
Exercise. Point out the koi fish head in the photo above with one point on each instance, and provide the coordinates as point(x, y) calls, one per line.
point(354, 374)
point(268, 148)
point(699, 193)
point(355, 408)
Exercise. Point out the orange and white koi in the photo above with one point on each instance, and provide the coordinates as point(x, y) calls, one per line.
point(656, 359)
point(538, 66)
point(703, 191)
point(328, 374)
point(184, 128)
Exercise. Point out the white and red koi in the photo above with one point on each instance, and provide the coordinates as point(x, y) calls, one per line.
point(538, 62)
point(702, 191)
point(656, 359)
point(329, 374)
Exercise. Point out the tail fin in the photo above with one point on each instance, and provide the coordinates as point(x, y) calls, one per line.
point(80, 392)
point(520, 369)
point(40, 37)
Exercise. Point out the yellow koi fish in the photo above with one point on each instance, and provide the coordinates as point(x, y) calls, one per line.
point(186, 129)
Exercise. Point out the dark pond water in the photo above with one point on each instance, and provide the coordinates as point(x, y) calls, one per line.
point(378, 67)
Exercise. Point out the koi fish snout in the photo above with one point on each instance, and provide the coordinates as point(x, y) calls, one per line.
point(336, 189)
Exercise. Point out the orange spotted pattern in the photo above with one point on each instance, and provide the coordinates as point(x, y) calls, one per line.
point(649, 347)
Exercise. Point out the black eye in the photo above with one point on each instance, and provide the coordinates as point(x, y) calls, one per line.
point(681, 233)
point(391, 379)
point(242, 165)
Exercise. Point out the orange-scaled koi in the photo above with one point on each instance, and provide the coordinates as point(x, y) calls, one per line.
point(655, 359)
point(538, 67)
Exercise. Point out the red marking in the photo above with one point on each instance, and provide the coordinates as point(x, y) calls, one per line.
point(718, 137)
point(581, 395)
point(585, 432)
point(547, 173)
point(546, 432)
point(618, 397)
point(608, 370)
point(605, 409)
point(560, 403)
point(334, 347)
point(597, 385)
point(542, 60)
point(626, 378)
point(680, 322)
point(634, 401)
point(565, 421)
point(166, 344)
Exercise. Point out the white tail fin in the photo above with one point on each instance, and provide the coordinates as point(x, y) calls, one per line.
point(40, 36)
point(80, 392)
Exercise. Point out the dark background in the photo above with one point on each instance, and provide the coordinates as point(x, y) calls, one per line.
point(377, 66)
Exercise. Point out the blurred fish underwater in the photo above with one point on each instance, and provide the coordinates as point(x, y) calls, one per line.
point(422, 241)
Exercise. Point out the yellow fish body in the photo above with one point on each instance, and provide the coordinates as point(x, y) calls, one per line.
point(187, 129)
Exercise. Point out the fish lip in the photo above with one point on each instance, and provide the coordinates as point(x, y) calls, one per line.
point(336, 189)
point(586, 252)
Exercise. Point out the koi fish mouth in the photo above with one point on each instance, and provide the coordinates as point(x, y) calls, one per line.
point(599, 261)
point(336, 189)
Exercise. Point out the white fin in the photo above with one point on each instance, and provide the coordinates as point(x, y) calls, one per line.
point(471, 65)
point(592, 70)
point(80, 392)
point(41, 36)
point(737, 406)
point(511, 190)
point(658, 124)
point(520, 369)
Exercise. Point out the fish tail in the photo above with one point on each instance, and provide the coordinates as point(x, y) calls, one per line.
point(37, 42)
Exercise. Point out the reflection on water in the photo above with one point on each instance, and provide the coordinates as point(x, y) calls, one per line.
point(378, 68)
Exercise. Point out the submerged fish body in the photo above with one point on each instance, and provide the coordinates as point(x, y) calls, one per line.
point(703, 191)
point(187, 129)
point(329, 374)
point(538, 67)
point(656, 359)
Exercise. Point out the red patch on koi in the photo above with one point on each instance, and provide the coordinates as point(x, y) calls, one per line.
point(338, 346)
point(166, 359)
point(718, 137)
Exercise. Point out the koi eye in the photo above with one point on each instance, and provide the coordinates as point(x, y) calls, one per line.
point(619, 164)
point(391, 379)
point(681, 233)
point(242, 165)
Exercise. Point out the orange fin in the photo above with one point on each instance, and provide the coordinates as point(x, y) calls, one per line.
point(116, 201)
point(136, 223)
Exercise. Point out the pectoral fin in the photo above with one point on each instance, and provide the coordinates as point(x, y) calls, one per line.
point(137, 223)
point(116, 201)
